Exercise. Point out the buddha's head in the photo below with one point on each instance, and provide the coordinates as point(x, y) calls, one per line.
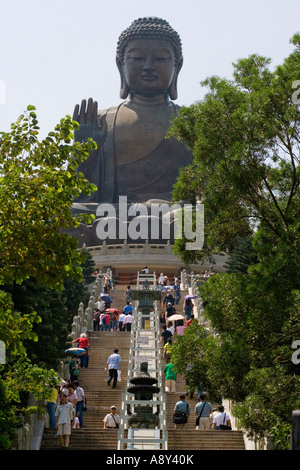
point(149, 58)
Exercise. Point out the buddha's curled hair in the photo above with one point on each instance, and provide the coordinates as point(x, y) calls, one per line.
point(149, 28)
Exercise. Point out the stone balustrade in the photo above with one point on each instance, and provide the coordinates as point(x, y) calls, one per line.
point(29, 434)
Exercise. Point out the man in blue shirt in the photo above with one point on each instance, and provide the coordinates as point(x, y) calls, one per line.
point(128, 308)
point(202, 411)
point(184, 407)
point(113, 367)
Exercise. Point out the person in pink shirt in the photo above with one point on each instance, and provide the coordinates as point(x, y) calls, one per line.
point(72, 397)
point(180, 328)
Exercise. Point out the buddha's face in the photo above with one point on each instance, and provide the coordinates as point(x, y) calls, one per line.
point(149, 66)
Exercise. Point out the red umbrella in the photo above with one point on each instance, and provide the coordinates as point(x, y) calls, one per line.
point(113, 310)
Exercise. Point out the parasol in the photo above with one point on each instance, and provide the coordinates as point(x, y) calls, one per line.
point(106, 298)
point(113, 310)
point(191, 297)
point(176, 317)
point(77, 351)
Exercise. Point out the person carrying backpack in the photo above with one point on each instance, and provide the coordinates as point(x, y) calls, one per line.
point(181, 413)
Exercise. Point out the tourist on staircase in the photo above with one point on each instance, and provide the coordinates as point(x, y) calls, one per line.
point(177, 292)
point(168, 350)
point(128, 308)
point(83, 343)
point(190, 320)
point(128, 321)
point(112, 420)
point(179, 330)
point(170, 378)
point(165, 335)
point(170, 327)
point(127, 295)
point(169, 298)
point(96, 319)
point(106, 320)
point(203, 410)
point(181, 408)
point(81, 401)
point(113, 366)
point(72, 397)
point(64, 416)
point(188, 308)
point(162, 319)
point(221, 420)
point(121, 321)
point(74, 368)
point(170, 310)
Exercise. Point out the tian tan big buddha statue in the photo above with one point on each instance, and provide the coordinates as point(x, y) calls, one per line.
point(133, 158)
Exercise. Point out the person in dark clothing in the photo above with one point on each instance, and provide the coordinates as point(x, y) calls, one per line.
point(165, 334)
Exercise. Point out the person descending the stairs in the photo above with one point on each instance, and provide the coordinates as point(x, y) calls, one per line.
point(112, 420)
point(81, 401)
point(177, 293)
point(64, 416)
point(113, 366)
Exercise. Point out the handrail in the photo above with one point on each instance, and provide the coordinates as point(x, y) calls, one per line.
point(150, 352)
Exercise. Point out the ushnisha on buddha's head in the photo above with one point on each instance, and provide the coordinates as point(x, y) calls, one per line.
point(149, 59)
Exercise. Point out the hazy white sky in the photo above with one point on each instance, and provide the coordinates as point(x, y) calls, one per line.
point(55, 53)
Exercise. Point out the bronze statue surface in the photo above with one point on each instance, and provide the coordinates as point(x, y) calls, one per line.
point(134, 158)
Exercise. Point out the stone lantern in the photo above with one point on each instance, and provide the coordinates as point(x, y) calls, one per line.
point(143, 387)
point(146, 297)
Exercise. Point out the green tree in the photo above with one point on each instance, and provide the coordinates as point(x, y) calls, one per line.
point(189, 357)
point(54, 325)
point(77, 291)
point(39, 182)
point(241, 257)
point(244, 136)
point(245, 139)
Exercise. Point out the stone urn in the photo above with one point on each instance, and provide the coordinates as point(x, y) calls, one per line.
point(143, 387)
point(146, 297)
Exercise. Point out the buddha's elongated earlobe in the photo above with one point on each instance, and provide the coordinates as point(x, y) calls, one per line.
point(173, 87)
point(124, 89)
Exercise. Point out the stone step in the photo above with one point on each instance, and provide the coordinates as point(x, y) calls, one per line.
point(100, 398)
point(101, 439)
point(205, 440)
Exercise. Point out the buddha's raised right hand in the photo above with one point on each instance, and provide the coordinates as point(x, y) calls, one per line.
point(91, 125)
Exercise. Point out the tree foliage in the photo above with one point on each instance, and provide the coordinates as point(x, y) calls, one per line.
point(245, 139)
point(244, 136)
point(38, 183)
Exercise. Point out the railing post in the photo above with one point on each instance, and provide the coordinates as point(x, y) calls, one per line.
point(295, 444)
point(144, 347)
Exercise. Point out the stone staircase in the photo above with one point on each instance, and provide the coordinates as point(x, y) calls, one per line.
point(100, 397)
